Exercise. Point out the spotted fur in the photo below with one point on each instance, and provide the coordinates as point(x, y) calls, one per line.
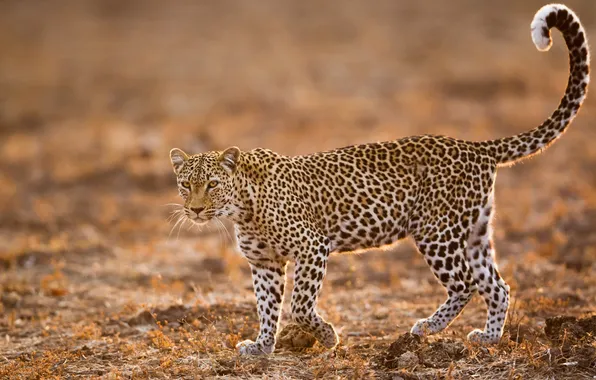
point(437, 189)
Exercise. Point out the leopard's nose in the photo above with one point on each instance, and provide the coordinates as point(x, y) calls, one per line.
point(197, 210)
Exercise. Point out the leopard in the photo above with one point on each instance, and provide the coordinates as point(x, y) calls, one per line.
point(437, 190)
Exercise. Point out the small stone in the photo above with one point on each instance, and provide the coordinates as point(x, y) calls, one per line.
point(11, 299)
point(408, 360)
point(379, 315)
point(143, 318)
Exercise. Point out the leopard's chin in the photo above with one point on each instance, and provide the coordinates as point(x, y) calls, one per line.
point(199, 222)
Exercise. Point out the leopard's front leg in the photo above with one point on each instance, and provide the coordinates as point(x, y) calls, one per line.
point(310, 270)
point(268, 282)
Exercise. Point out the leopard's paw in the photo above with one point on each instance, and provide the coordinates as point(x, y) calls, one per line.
point(421, 328)
point(482, 338)
point(327, 336)
point(248, 347)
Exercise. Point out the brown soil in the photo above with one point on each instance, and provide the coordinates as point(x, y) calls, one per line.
point(95, 283)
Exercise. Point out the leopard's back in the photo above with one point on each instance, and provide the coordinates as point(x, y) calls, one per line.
point(369, 195)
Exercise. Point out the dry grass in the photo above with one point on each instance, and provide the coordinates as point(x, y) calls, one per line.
point(94, 94)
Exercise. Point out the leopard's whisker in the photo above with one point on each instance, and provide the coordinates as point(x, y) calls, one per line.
point(178, 221)
point(225, 229)
point(172, 205)
point(219, 237)
point(180, 227)
point(221, 234)
point(175, 213)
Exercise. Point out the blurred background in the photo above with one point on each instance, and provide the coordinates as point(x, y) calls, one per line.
point(94, 94)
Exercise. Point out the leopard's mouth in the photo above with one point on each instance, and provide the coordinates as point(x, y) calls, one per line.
point(199, 221)
point(196, 219)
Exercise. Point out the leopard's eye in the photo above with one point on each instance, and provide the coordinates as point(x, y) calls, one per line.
point(185, 184)
point(212, 184)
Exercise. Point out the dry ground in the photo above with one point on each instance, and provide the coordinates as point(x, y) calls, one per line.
point(93, 94)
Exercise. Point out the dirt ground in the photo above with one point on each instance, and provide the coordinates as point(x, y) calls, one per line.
point(94, 282)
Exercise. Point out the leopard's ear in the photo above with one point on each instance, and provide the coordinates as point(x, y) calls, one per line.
point(228, 159)
point(178, 158)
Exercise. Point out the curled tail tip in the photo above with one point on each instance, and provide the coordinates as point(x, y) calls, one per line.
point(542, 42)
point(543, 21)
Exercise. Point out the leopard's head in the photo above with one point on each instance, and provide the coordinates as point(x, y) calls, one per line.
point(206, 183)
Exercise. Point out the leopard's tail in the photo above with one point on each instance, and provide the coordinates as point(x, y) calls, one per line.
point(508, 150)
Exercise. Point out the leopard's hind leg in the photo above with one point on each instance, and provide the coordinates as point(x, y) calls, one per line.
point(446, 258)
point(481, 257)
